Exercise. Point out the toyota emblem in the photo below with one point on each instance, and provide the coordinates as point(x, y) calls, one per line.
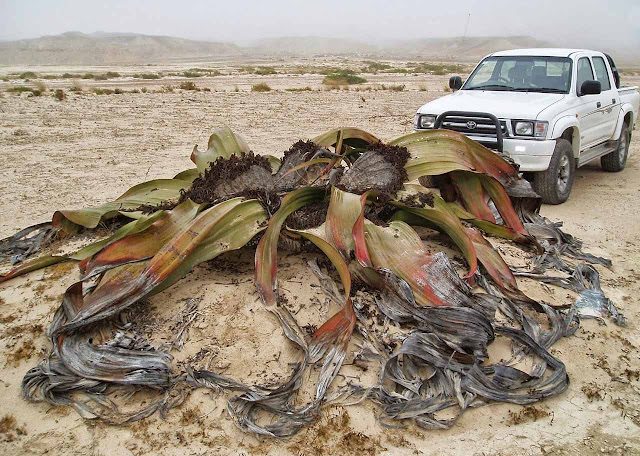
point(471, 125)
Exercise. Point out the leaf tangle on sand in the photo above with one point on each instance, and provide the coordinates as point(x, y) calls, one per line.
point(424, 320)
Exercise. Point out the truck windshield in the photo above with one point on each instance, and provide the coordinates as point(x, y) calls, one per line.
point(522, 74)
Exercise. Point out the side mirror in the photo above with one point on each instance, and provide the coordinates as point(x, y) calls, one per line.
point(455, 82)
point(590, 88)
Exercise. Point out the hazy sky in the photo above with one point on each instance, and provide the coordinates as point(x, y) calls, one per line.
point(598, 21)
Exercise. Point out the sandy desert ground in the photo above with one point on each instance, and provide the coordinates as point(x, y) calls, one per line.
point(91, 148)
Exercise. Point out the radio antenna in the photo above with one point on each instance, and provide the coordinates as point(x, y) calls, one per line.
point(465, 28)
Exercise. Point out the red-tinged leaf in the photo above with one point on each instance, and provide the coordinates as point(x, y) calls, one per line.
point(493, 261)
point(32, 265)
point(226, 226)
point(266, 260)
point(442, 217)
point(172, 254)
point(344, 210)
point(470, 190)
point(146, 243)
point(399, 248)
point(361, 250)
point(490, 228)
point(338, 329)
point(333, 336)
point(85, 253)
point(503, 203)
point(440, 151)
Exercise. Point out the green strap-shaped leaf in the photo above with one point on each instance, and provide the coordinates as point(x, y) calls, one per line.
point(490, 228)
point(453, 150)
point(398, 247)
point(441, 151)
point(275, 163)
point(223, 143)
point(469, 188)
point(267, 252)
point(150, 193)
point(353, 137)
point(502, 201)
point(135, 226)
point(344, 209)
point(187, 175)
point(226, 226)
point(144, 244)
point(493, 262)
point(441, 216)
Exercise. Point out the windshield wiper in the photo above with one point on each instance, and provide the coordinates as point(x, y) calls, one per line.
point(490, 86)
point(540, 89)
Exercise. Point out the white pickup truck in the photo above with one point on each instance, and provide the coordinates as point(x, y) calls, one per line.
point(550, 110)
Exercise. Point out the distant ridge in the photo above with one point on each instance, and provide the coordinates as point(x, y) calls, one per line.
point(309, 45)
point(103, 48)
point(108, 48)
point(469, 48)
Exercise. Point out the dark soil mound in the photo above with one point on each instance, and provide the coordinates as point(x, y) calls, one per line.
point(308, 216)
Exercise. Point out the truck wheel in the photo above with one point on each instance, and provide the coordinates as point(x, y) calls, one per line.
point(554, 184)
point(616, 160)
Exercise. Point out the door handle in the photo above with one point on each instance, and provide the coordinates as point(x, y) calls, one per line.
point(613, 100)
point(598, 104)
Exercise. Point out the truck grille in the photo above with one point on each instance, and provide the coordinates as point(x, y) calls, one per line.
point(475, 126)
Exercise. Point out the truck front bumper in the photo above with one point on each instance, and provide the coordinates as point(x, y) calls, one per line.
point(530, 154)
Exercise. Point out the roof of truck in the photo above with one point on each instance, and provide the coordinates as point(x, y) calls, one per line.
point(540, 52)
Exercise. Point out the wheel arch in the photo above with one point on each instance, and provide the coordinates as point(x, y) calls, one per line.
point(568, 128)
point(624, 118)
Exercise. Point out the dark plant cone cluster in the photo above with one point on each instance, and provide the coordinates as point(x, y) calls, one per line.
point(356, 200)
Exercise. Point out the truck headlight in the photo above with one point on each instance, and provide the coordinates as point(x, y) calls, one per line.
point(426, 121)
point(530, 128)
point(524, 129)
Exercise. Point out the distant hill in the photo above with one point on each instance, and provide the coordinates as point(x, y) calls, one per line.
point(309, 45)
point(76, 48)
point(108, 48)
point(469, 48)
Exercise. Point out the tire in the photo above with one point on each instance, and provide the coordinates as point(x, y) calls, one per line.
point(554, 184)
point(616, 160)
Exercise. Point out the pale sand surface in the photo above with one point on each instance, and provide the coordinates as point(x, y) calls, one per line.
point(90, 149)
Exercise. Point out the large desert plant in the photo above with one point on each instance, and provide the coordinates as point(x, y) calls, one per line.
point(348, 196)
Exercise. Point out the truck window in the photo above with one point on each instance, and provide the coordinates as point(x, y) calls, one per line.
point(614, 70)
point(507, 65)
point(601, 73)
point(485, 72)
point(521, 74)
point(585, 73)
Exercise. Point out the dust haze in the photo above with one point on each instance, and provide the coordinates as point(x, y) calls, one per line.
point(574, 23)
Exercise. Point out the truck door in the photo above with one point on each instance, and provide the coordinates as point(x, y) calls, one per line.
point(588, 112)
point(609, 99)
